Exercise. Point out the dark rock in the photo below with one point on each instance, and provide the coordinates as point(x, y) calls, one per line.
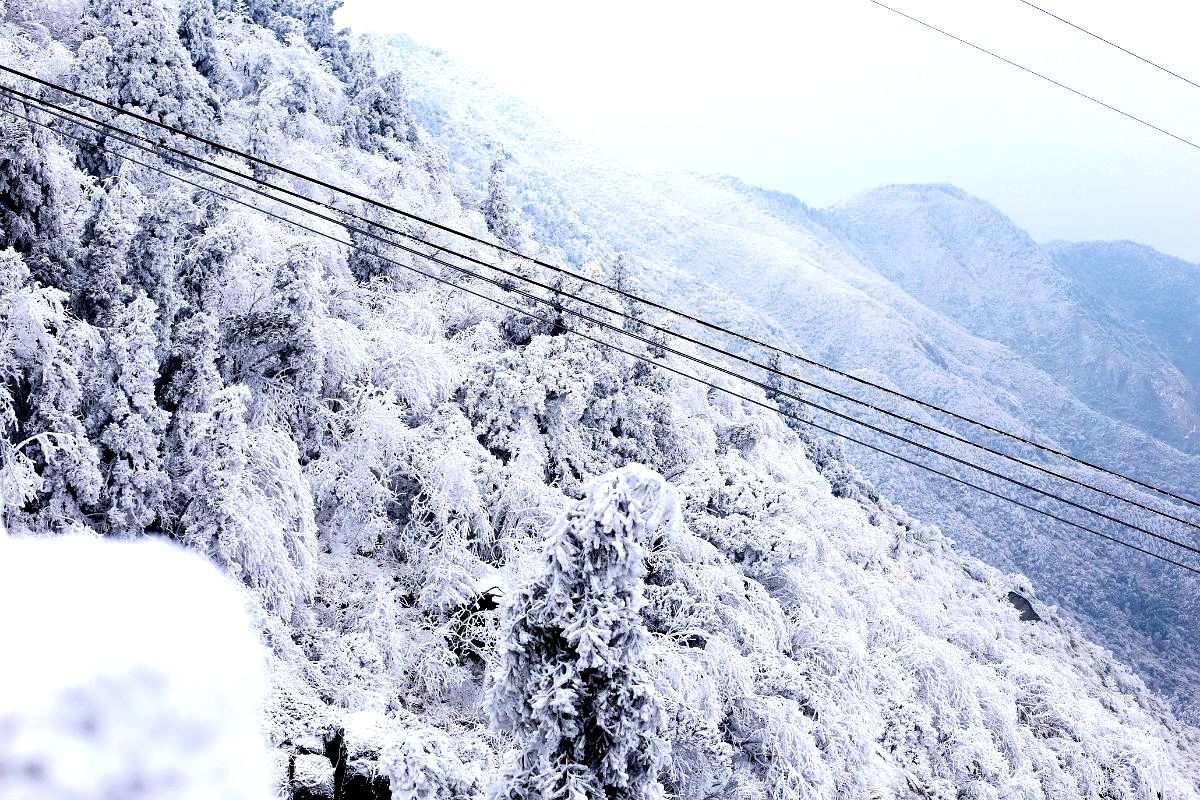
point(1022, 604)
point(362, 781)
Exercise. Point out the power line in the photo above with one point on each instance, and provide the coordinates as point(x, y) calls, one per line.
point(61, 112)
point(609, 345)
point(646, 302)
point(679, 353)
point(682, 354)
point(1059, 84)
point(1109, 43)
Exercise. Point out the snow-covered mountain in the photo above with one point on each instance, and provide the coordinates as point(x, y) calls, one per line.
point(1140, 289)
point(486, 557)
point(964, 259)
point(820, 283)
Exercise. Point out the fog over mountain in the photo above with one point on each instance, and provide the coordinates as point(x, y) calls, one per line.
point(484, 557)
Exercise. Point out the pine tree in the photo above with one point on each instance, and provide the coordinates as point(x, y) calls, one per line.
point(622, 280)
point(130, 425)
point(189, 393)
point(155, 255)
point(299, 295)
point(279, 350)
point(98, 284)
point(137, 61)
point(383, 115)
point(313, 19)
point(31, 217)
point(70, 467)
point(205, 264)
point(499, 210)
point(571, 685)
point(41, 350)
point(197, 23)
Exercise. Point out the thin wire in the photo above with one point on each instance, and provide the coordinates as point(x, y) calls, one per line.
point(684, 355)
point(688, 356)
point(648, 303)
point(1109, 43)
point(948, 434)
point(609, 345)
point(1010, 62)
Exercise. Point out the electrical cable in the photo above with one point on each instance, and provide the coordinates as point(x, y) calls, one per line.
point(468, 273)
point(60, 111)
point(645, 359)
point(648, 303)
point(1036, 74)
point(1081, 29)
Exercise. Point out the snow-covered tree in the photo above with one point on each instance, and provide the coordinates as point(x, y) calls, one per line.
point(99, 282)
point(135, 57)
point(248, 507)
point(422, 765)
point(130, 425)
point(156, 252)
point(204, 266)
point(500, 211)
point(189, 392)
point(292, 20)
point(571, 685)
point(278, 347)
point(382, 116)
point(41, 351)
point(197, 24)
point(33, 208)
point(620, 277)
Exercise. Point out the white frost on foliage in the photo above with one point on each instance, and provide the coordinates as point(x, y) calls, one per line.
point(379, 459)
point(148, 685)
point(571, 684)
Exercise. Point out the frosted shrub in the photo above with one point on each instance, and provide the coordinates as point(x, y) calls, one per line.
point(421, 765)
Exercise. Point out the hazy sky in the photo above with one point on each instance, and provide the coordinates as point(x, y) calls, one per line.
point(825, 99)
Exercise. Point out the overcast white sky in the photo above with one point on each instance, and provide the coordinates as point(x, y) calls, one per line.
point(825, 99)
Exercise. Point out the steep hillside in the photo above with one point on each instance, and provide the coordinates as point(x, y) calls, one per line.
point(484, 554)
point(771, 263)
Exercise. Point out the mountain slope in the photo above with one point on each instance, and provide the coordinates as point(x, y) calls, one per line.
point(379, 462)
point(961, 257)
point(777, 265)
point(1144, 290)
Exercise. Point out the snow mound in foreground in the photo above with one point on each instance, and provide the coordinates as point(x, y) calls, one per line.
point(146, 681)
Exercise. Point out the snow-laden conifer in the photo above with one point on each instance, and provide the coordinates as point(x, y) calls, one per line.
point(499, 209)
point(41, 352)
point(248, 508)
point(133, 58)
point(99, 283)
point(571, 685)
point(197, 34)
point(130, 424)
point(36, 185)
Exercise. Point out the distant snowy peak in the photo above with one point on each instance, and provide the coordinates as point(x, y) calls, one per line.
point(970, 236)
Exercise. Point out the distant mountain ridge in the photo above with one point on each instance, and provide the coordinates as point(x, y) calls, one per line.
point(1137, 286)
point(962, 257)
